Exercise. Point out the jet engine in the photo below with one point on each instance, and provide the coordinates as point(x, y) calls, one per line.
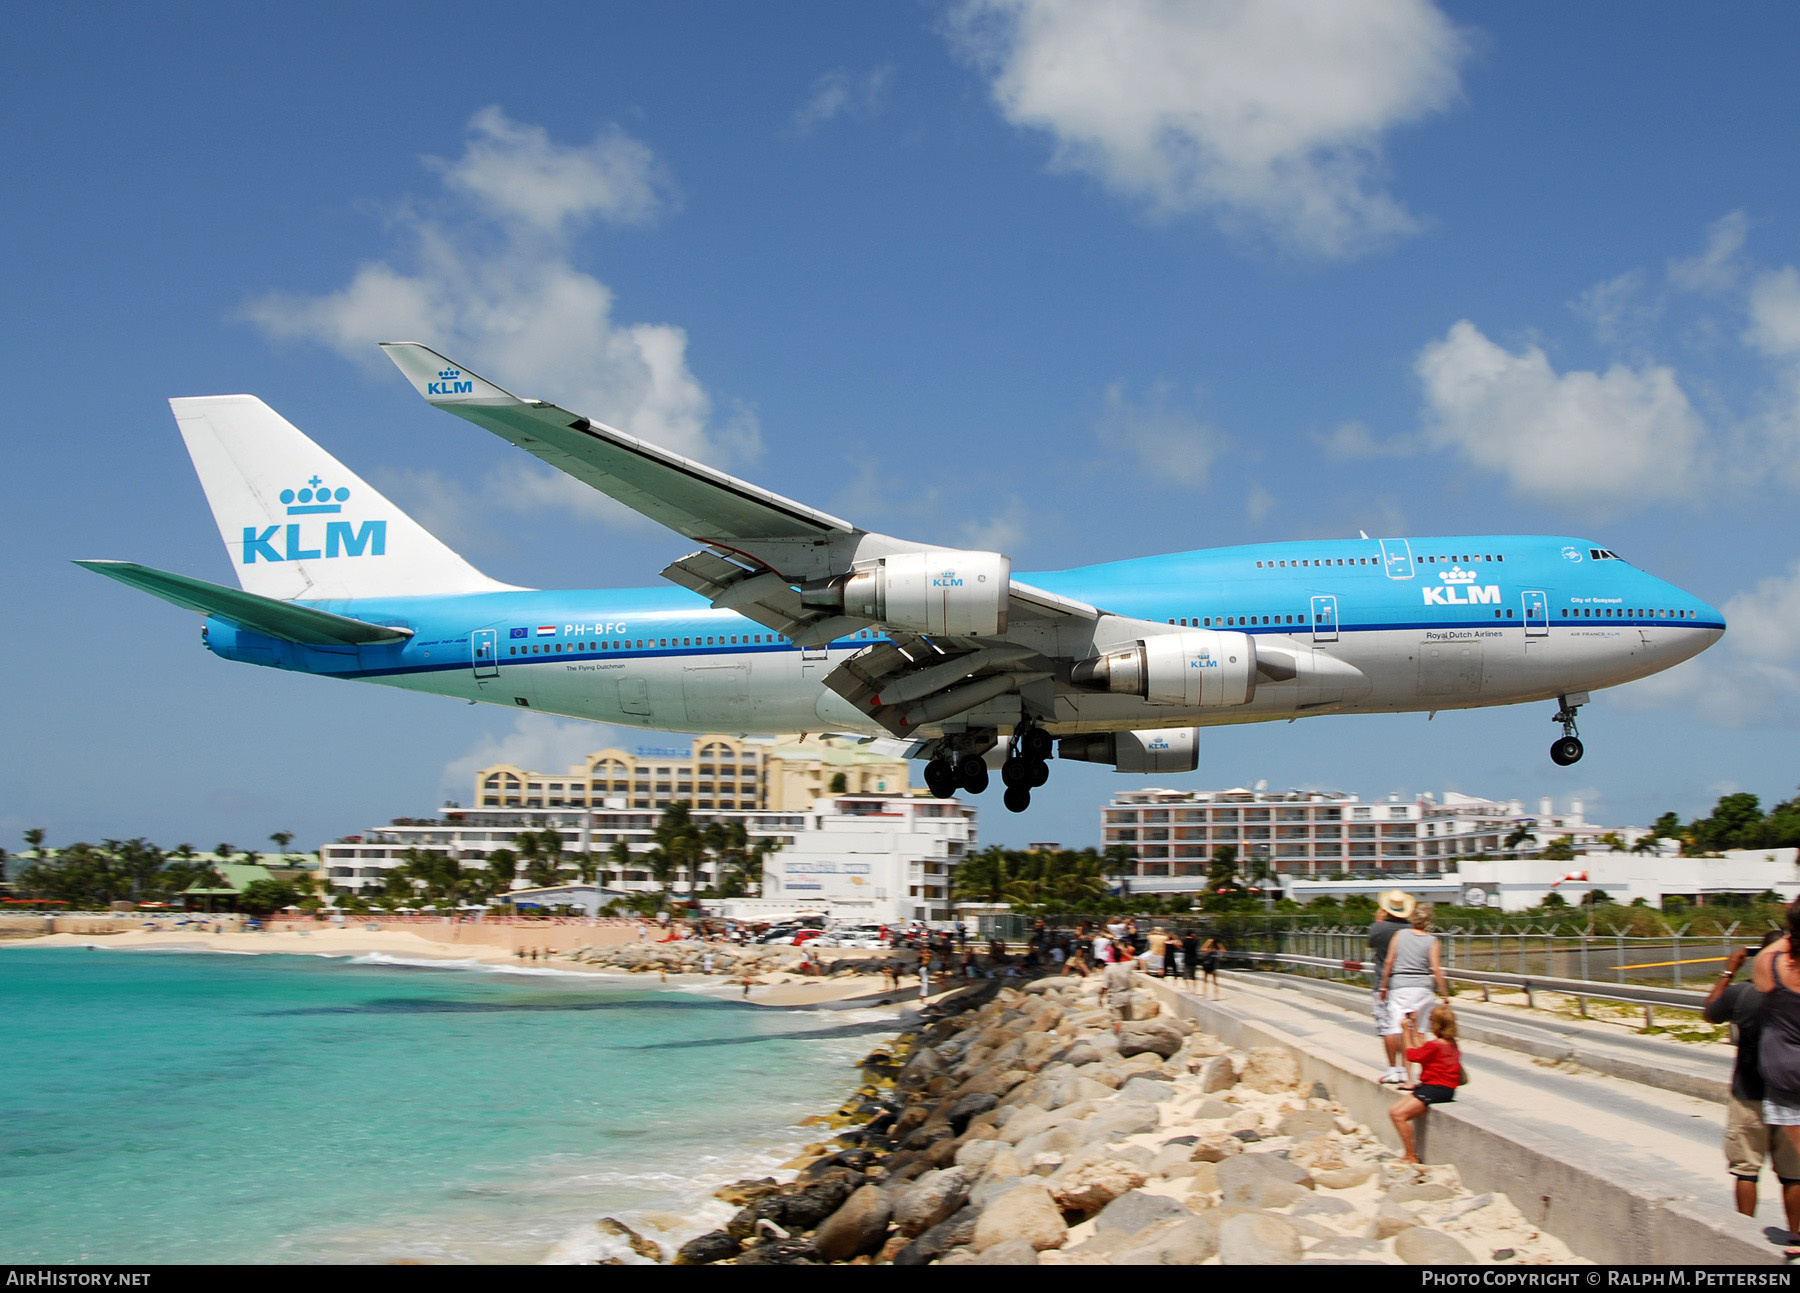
point(1163, 749)
point(1195, 668)
point(936, 590)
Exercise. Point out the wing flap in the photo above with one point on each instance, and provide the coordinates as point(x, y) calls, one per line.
point(285, 620)
point(759, 595)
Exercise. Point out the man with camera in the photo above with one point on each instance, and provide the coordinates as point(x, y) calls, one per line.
point(1748, 1140)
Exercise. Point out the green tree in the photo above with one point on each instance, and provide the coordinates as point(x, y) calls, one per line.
point(1669, 827)
point(839, 783)
point(260, 897)
point(983, 876)
point(1781, 828)
point(1222, 872)
point(1517, 836)
point(34, 840)
point(281, 840)
point(1736, 823)
point(620, 857)
point(502, 865)
point(224, 851)
point(1560, 849)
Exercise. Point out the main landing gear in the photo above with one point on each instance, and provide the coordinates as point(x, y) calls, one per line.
point(1026, 768)
point(1566, 749)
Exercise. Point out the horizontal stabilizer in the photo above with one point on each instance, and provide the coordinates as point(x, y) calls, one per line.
point(263, 614)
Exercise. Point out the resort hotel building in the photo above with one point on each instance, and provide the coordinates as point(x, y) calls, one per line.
point(869, 847)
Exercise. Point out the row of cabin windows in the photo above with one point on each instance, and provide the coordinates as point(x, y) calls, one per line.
point(1610, 613)
point(625, 644)
point(1234, 621)
point(1364, 561)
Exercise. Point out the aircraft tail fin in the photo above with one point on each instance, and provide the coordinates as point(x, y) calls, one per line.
point(299, 524)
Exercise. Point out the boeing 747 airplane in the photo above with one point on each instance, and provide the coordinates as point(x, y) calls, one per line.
point(790, 619)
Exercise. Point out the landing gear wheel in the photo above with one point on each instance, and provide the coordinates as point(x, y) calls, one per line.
point(1018, 799)
point(1040, 772)
point(1565, 750)
point(972, 774)
point(1016, 772)
point(1035, 744)
point(940, 778)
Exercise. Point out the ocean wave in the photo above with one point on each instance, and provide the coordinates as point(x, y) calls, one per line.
point(464, 963)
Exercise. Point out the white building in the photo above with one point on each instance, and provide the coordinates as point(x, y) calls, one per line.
point(887, 857)
point(880, 859)
point(1319, 835)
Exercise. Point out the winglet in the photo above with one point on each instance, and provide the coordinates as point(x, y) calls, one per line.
point(442, 381)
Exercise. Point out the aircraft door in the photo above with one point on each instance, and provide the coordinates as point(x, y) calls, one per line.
point(1396, 558)
point(484, 653)
point(1537, 614)
point(1324, 619)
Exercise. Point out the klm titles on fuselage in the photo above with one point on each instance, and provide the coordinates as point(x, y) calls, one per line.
point(1457, 579)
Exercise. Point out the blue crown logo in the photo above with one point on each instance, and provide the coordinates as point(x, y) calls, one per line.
point(315, 497)
point(449, 374)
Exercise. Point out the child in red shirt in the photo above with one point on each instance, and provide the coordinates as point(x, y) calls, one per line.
point(1440, 1073)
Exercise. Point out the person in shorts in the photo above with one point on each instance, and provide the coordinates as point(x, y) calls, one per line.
point(1440, 1073)
point(1749, 1141)
point(1395, 909)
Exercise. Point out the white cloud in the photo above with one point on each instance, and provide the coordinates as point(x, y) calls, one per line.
point(1775, 314)
point(1716, 268)
point(1628, 434)
point(1005, 531)
point(516, 173)
point(1258, 504)
point(1352, 442)
point(1269, 115)
point(515, 308)
point(1617, 308)
point(840, 92)
point(1170, 446)
point(537, 743)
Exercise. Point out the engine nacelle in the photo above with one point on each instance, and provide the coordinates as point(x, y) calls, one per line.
point(1163, 749)
point(937, 590)
point(1196, 668)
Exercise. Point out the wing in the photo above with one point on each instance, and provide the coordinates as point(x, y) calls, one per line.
point(688, 497)
point(776, 561)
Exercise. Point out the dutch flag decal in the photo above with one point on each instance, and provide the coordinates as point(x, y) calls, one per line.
point(546, 630)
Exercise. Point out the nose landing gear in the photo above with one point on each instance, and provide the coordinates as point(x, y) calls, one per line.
point(1567, 749)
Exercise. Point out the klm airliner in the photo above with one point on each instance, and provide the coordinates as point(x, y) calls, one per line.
point(790, 619)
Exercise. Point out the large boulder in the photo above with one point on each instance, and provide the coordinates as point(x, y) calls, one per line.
point(960, 1113)
point(1258, 1239)
point(1123, 1120)
point(860, 1226)
point(1270, 1068)
point(976, 1153)
point(1176, 1243)
point(940, 1239)
point(1089, 1187)
point(1147, 1090)
point(1217, 1073)
point(1026, 1211)
point(1390, 1219)
point(1010, 1252)
point(1154, 1036)
point(1260, 1181)
point(703, 1250)
point(1137, 1210)
point(931, 1198)
point(1420, 1246)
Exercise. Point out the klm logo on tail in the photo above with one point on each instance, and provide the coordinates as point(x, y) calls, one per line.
point(342, 539)
point(449, 385)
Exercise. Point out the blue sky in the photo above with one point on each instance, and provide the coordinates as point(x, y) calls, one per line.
point(1078, 281)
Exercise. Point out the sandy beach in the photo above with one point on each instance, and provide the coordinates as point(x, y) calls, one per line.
point(773, 988)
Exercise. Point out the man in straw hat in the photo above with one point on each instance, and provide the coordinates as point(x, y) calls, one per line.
point(1394, 911)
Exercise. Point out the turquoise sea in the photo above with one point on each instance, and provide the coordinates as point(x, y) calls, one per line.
point(195, 1107)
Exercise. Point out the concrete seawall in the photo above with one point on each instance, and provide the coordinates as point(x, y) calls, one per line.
point(1602, 1209)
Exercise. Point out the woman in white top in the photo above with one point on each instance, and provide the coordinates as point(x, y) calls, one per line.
point(1414, 965)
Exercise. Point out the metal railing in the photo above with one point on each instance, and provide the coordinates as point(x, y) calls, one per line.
point(1583, 990)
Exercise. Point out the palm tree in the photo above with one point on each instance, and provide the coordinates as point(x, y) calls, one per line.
point(281, 840)
point(34, 839)
point(620, 857)
point(1518, 835)
point(985, 877)
point(662, 866)
point(502, 865)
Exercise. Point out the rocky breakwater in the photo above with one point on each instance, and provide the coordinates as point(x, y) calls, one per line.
point(1018, 1127)
point(690, 956)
